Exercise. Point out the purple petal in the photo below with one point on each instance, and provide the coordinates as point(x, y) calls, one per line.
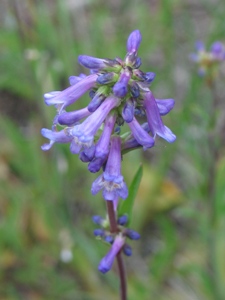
point(165, 105)
point(140, 135)
point(54, 137)
point(120, 88)
point(154, 120)
point(106, 263)
point(70, 118)
point(96, 102)
point(102, 146)
point(199, 46)
point(75, 79)
point(91, 62)
point(128, 111)
point(72, 93)
point(133, 41)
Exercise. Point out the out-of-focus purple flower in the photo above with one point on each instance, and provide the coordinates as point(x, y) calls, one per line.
point(208, 61)
point(127, 250)
point(131, 234)
point(98, 220)
point(218, 51)
point(106, 263)
point(111, 181)
point(122, 220)
point(154, 120)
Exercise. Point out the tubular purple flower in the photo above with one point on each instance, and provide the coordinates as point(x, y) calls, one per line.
point(111, 181)
point(154, 120)
point(87, 154)
point(165, 105)
point(96, 164)
point(120, 88)
point(54, 137)
point(128, 111)
point(72, 93)
point(133, 41)
point(85, 132)
point(140, 135)
point(72, 117)
point(106, 263)
point(96, 101)
point(95, 63)
point(102, 146)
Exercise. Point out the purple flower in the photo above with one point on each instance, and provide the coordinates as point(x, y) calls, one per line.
point(54, 137)
point(72, 93)
point(72, 117)
point(120, 88)
point(133, 41)
point(127, 250)
point(122, 220)
point(218, 51)
point(91, 62)
point(141, 136)
point(102, 146)
point(164, 105)
point(106, 263)
point(96, 101)
point(154, 120)
point(128, 111)
point(75, 79)
point(111, 181)
point(131, 234)
point(84, 133)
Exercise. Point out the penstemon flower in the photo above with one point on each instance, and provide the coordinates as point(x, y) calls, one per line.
point(119, 95)
point(208, 61)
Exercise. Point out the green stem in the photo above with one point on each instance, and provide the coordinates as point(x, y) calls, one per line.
point(114, 229)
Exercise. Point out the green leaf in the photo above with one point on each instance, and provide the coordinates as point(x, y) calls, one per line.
point(127, 205)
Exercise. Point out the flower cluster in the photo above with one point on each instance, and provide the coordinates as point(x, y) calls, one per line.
point(119, 92)
point(208, 61)
point(117, 240)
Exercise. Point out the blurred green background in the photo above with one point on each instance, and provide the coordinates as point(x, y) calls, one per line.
point(47, 250)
